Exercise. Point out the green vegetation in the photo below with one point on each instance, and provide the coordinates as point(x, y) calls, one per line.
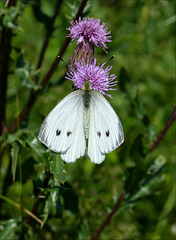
point(41, 197)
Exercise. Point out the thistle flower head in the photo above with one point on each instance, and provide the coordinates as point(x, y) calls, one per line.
point(89, 31)
point(99, 78)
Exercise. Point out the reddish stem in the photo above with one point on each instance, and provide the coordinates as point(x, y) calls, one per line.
point(45, 44)
point(163, 132)
point(5, 49)
point(110, 215)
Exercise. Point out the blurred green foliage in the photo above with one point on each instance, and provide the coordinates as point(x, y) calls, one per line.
point(78, 197)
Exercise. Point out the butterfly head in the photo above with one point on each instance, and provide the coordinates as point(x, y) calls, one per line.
point(87, 85)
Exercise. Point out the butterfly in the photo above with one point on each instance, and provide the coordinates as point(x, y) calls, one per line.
point(83, 119)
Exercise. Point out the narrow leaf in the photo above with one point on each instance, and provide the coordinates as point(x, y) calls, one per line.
point(53, 206)
point(127, 85)
point(15, 154)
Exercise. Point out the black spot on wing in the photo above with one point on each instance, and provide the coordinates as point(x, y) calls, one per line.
point(69, 133)
point(99, 134)
point(107, 133)
point(58, 132)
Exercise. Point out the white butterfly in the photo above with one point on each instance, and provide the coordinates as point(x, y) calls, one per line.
point(84, 117)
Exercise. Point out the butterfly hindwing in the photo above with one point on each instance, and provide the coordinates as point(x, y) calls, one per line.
point(63, 129)
point(105, 133)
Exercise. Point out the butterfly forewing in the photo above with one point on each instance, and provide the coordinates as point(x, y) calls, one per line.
point(63, 129)
point(105, 133)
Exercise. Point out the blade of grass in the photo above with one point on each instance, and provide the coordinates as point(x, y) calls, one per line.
point(17, 205)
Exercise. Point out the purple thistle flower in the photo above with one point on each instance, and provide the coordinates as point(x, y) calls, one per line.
point(89, 31)
point(98, 77)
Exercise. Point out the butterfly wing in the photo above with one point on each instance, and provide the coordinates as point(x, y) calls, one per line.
point(106, 132)
point(63, 129)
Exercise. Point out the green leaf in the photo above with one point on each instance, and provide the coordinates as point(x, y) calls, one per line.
point(137, 150)
point(26, 78)
point(26, 73)
point(53, 206)
point(10, 17)
point(135, 171)
point(15, 154)
point(150, 181)
point(74, 5)
point(154, 170)
point(57, 167)
point(9, 230)
point(20, 62)
point(18, 136)
point(139, 108)
point(57, 209)
point(70, 197)
point(41, 154)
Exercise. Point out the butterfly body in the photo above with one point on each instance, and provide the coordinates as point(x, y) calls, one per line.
point(84, 117)
point(86, 101)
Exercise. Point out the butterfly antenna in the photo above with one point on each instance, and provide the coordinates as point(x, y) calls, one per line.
point(63, 61)
point(113, 56)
